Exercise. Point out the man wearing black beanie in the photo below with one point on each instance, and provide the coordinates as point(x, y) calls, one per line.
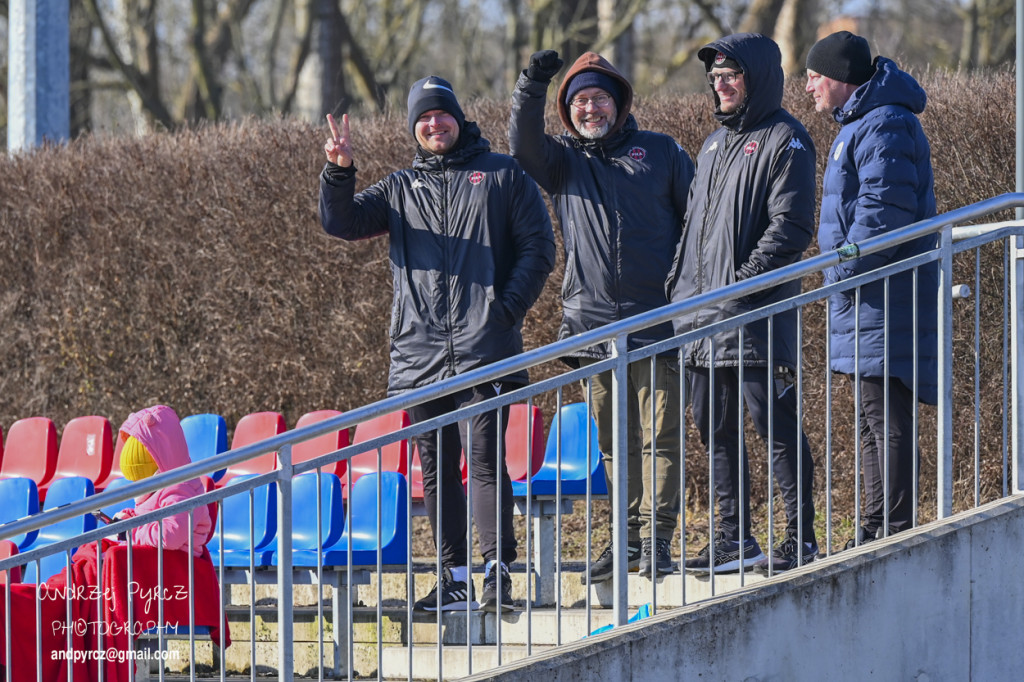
point(620, 195)
point(471, 248)
point(878, 179)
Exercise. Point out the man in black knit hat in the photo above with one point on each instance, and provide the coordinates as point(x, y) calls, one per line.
point(878, 179)
point(471, 248)
point(620, 195)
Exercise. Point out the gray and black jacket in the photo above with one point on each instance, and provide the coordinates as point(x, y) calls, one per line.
point(750, 211)
point(619, 200)
point(471, 248)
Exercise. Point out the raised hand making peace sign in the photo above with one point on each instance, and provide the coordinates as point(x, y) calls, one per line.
point(338, 147)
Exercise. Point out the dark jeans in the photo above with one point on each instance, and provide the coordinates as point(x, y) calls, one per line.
point(901, 454)
point(717, 416)
point(486, 429)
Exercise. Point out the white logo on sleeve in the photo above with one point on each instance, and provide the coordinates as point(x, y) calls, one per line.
point(796, 144)
point(839, 150)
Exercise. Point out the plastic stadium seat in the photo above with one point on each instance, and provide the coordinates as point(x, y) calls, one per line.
point(305, 518)
point(394, 525)
point(31, 451)
point(250, 429)
point(115, 466)
point(7, 550)
point(394, 456)
point(575, 465)
point(86, 449)
point(321, 445)
point(524, 456)
point(112, 509)
point(206, 435)
point(18, 499)
point(234, 518)
point(62, 491)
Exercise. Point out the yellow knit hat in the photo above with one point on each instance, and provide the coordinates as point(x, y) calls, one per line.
point(136, 462)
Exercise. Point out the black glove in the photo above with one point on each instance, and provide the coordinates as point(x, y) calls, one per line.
point(543, 66)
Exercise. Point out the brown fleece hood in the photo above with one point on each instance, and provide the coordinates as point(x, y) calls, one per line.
point(591, 61)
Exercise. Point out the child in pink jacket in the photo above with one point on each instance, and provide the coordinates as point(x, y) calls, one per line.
point(152, 442)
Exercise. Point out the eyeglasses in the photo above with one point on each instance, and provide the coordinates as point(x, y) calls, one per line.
point(599, 101)
point(727, 77)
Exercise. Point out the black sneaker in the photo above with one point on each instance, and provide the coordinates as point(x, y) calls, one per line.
point(604, 566)
point(660, 557)
point(787, 555)
point(728, 557)
point(454, 595)
point(490, 601)
point(864, 535)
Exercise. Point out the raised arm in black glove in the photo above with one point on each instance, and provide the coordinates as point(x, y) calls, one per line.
point(543, 66)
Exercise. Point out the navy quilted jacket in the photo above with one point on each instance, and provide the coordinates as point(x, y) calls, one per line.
point(879, 178)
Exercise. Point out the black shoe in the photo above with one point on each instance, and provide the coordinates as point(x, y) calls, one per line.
point(604, 566)
point(728, 557)
point(660, 558)
point(864, 535)
point(490, 601)
point(787, 555)
point(455, 594)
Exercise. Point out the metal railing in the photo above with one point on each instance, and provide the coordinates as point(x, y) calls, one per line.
point(966, 336)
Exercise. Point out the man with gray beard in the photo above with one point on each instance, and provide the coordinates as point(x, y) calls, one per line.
point(620, 195)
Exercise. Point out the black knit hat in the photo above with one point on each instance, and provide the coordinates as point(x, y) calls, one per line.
point(433, 92)
point(843, 57)
point(594, 79)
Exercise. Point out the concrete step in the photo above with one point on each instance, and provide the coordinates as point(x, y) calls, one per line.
point(670, 590)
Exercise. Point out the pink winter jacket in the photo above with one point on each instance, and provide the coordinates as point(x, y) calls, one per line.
point(160, 431)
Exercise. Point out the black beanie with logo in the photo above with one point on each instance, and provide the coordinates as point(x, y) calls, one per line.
point(433, 92)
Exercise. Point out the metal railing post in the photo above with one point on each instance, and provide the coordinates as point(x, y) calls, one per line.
point(944, 443)
point(285, 606)
point(1016, 361)
point(620, 495)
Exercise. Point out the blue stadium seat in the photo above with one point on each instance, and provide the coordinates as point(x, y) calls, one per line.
point(62, 491)
point(394, 525)
point(304, 517)
point(234, 517)
point(112, 509)
point(206, 435)
point(19, 498)
point(575, 465)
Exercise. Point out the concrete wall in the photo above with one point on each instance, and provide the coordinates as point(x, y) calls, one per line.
point(942, 602)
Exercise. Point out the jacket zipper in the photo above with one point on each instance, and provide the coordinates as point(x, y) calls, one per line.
point(449, 324)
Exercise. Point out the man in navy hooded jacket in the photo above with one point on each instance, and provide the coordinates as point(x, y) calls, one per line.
point(878, 179)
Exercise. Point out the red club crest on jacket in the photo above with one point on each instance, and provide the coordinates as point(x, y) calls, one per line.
point(476, 177)
point(637, 153)
point(750, 148)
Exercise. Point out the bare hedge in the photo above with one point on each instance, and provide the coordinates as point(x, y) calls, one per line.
point(190, 268)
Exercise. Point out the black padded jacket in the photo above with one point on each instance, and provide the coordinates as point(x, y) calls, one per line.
point(471, 247)
point(750, 211)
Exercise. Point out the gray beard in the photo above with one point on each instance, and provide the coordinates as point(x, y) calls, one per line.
point(595, 134)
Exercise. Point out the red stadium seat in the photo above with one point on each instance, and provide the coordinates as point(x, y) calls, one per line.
point(31, 451)
point(321, 445)
point(250, 429)
point(86, 449)
point(9, 549)
point(394, 456)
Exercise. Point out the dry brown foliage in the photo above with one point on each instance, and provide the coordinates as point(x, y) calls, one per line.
point(190, 269)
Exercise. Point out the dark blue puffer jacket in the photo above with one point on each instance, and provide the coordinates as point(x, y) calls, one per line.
point(878, 179)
